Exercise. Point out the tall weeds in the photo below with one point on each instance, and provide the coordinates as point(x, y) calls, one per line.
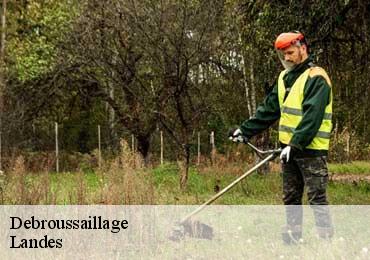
point(121, 180)
point(22, 188)
point(125, 181)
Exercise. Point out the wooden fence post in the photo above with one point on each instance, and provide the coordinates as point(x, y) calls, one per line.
point(99, 147)
point(348, 146)
point(161, 147)
point(198, 161)
point(56, 147)
point(213, 152)
point(1, 152)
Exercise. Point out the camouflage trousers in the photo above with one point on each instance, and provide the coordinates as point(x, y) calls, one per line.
point(311, 173)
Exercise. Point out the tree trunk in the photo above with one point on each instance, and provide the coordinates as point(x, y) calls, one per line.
point(3, 30)
point(184, 170)
point(111, 112)
point(253, 87)
point(143, 146)
point(2, 69)
point(2, 59)
point(245, 82)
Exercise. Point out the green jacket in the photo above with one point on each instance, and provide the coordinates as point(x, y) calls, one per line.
point(316, 97)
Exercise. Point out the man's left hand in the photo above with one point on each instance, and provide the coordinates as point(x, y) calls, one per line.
point(236, 136)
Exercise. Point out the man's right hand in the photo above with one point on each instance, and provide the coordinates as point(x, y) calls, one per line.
point(236, 136)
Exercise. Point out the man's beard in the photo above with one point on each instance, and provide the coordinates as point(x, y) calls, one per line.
point(290, 65)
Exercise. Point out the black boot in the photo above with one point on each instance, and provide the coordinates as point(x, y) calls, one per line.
point(325, 232)
point(292, 235)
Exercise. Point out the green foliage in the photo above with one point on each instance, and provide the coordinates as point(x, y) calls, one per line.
point(42, 25)
point(33, 59)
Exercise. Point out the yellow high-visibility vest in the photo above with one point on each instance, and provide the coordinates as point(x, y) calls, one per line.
point(291, 110)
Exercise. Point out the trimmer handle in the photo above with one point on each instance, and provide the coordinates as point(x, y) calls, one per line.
point(266, 152)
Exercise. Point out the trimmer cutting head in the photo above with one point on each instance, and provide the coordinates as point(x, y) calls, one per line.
point(194, 229)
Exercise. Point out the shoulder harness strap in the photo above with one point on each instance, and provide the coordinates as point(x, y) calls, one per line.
point(318, 71)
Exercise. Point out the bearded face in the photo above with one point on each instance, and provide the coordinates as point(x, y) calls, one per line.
point(292, 55)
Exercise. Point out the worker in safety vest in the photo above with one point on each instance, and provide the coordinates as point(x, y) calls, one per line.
point(302, 99)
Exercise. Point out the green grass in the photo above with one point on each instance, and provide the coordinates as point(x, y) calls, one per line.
point(255, 189)
point(352, 193)
point(161, 186)
point(357, 167)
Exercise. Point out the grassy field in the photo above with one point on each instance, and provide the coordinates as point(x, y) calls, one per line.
point(125, 183)
point(357, 167)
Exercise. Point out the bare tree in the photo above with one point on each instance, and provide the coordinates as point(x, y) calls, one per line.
point(180, 37)
point(2, 71)
point(103, 50)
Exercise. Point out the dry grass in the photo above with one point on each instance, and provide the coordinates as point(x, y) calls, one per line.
point(122, 180)
point(125, 181)
point(21, 188)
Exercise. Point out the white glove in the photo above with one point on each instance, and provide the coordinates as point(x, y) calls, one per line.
point(285, 154)
point(237, 136)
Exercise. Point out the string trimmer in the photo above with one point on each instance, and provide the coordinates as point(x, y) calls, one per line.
point(189, 227)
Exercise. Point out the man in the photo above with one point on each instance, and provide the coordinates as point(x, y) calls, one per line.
point(302, 100)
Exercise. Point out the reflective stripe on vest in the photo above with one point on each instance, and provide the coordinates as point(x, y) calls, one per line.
point(291, 110)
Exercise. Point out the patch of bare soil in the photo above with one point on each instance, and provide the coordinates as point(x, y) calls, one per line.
point(347, 177)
